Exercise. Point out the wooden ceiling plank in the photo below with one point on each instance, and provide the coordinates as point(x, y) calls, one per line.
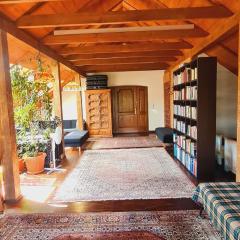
point(124, 36)
point(11, 28)
point(33, 9)
point(109, 48)
point(216, 34)
point(66, 20)
point(161, 53)
point(225, 57)
point(123, 60)
point(126, 67)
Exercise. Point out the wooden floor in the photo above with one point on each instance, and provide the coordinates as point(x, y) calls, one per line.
point(35, 200)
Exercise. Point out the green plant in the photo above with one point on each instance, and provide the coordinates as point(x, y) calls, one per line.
point(31, 149)
point(31, 97)
point(32, 104)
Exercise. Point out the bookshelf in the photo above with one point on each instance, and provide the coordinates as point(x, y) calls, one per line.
point(194, 116)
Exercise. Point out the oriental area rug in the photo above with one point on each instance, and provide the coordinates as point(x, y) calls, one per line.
point(122, 142)
point(120, 174)
point(165, 225)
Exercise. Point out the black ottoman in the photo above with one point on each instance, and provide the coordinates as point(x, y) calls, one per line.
point(165, 134)
point(75, 138)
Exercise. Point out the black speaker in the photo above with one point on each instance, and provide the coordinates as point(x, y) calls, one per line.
point(97, 82)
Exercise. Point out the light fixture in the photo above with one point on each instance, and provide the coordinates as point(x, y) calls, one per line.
point(123, 29)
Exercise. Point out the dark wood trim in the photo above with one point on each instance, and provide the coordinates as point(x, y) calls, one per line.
point(106, 206)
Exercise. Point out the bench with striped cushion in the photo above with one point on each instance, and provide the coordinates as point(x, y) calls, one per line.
point(221, 201)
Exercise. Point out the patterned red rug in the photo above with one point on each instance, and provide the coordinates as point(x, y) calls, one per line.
point(141, 235)
point(123, 142)
point(169, 225)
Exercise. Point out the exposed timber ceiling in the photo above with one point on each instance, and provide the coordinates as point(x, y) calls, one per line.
point(122, 35)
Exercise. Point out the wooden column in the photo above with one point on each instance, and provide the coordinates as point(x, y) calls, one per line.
point(167, 98)
point(57, 96)
point(79, 103)
point(9, 160)
point(238, 114)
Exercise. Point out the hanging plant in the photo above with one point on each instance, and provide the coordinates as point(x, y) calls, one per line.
point(42, 71)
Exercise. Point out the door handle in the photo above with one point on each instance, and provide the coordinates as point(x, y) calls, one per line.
point(135, 110)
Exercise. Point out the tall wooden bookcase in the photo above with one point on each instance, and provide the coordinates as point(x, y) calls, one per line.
point(194, 94)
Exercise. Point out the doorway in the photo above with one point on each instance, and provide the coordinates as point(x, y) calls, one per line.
point(130, 109)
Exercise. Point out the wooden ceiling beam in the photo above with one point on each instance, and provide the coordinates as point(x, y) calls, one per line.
point(216, 34)
point(124, 36)
point(225, 57)
point(162, 53)
point(125, 60)
point(110, 48)
point(11, 28)
point(126, 67)
point(66, 20)
point(25, 1)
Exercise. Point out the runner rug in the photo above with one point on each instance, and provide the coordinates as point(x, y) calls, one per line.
point(147, 173)
point(123, 142)
point(167, 225)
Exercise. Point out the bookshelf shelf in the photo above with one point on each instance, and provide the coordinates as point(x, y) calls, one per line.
point(194, 101)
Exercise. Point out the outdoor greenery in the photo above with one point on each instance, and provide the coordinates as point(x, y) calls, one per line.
point(32, 104)
point(31, 97)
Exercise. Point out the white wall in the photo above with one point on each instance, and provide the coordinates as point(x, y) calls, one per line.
point(154, 81)
point(226, 102)
point(69, 102)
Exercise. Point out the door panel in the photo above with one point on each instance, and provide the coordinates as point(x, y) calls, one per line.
point(142, 114)
point(127, 121)
point(126, 100)
point(126, 107)
point(129, 109)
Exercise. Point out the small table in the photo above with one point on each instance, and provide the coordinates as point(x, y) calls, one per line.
point(221, 201)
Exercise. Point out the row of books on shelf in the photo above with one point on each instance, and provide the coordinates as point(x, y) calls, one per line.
point(189, 162)
point(181, 126)
point(185, 111)
point(192, 131)
point(187, 93)
point(187, 75)
point(186, 144)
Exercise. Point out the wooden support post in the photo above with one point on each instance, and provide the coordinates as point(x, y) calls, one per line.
point(57, 96)
point(167, 100)
point(9, 160)
point(79, 103)
point(238, 113)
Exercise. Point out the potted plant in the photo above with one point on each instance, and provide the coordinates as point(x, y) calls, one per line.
point(32, 103)
point(34, 157)
point(21, 165)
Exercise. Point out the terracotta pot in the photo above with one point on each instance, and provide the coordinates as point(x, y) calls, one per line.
point(21, 165)
point(35, 165)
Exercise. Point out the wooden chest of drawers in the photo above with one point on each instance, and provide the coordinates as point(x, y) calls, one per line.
point(99, 113)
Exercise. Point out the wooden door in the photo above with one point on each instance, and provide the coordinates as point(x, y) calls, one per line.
point(130, 114)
